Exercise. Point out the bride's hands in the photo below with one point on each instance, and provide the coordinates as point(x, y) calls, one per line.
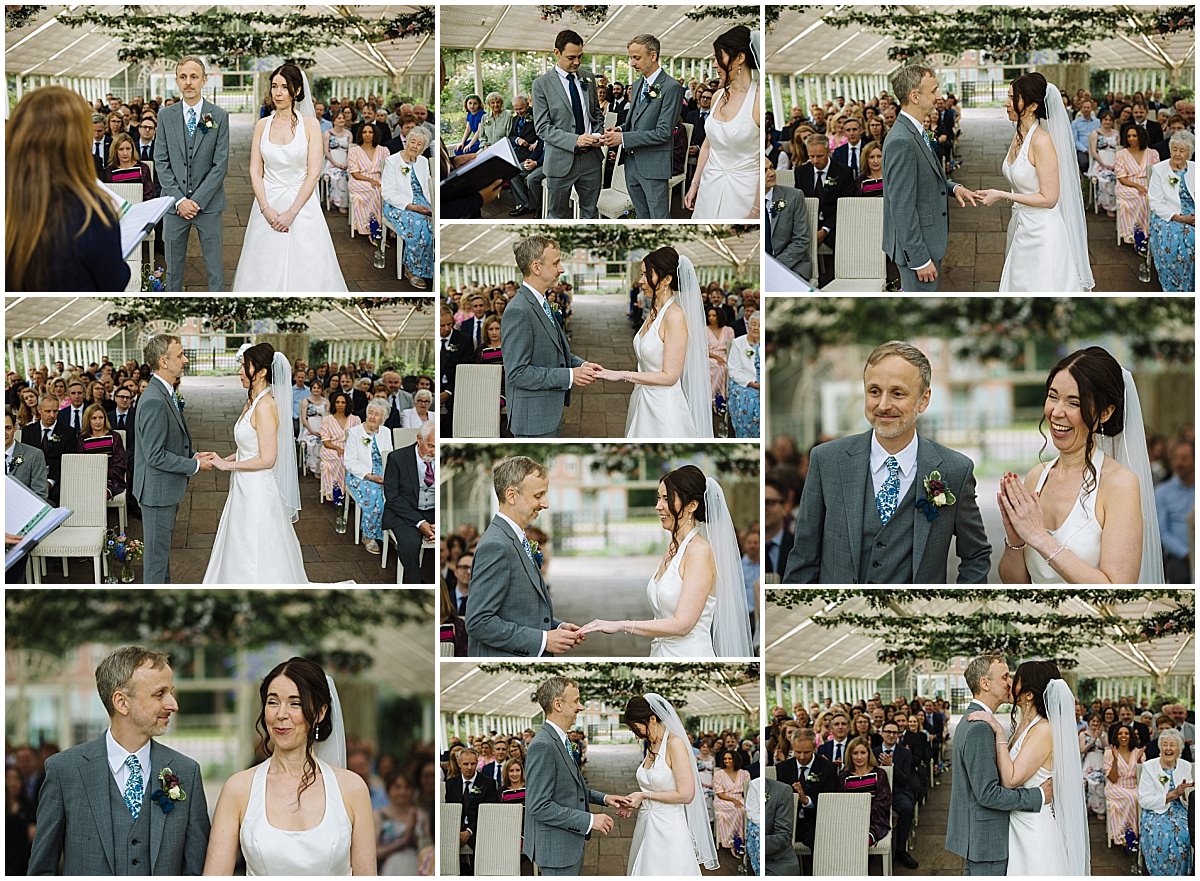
point(989, 197)
point(1022, 511)
point(634, 800)
point(1011, 539)
point(984, 716)
point(689, 199)
point(599, 626)
point(611, 375)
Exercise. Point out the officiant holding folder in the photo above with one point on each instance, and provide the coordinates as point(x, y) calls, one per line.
point(61, 231)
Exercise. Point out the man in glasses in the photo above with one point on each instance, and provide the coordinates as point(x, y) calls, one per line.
point(145, 138)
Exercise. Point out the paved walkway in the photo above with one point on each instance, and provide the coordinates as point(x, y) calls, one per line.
point(600, 332)
point(613, 588)
point(354, 255)
point(213, 404)
point(975, 252)
point(612, 769)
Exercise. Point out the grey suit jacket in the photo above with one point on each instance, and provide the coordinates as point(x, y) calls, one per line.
point(74, 815)
point(646, 136)
point(32, 471)
point(915, 211)
point(193, 169)
point(789, 231)
point(554, 120)
point(829, 525)
point(979, 806)
point(509, 606)
point(557, 819)
point(537, 366)
point(779, 830)
point(164, 461)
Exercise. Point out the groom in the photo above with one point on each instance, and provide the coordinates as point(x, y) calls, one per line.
point(102, 809)
point(509, 612)
point(915, 223)
point(647, 133)
point(164, 461)
point(539, 369)
point(557, 821)
point(191, 156)
point(979, 806)
point(866, 515)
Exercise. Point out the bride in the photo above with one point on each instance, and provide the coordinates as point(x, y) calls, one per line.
point(300, 812)
point(727, 182)
point(672, 395)
point(256, 543)
point(287, 245)
point(697, 593)
point(1087, 517)
point(1047, 237)
point(672, 835)
point(1053, 841)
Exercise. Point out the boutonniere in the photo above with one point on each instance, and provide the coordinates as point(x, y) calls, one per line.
point(366, 440)
point(475, 790)
point(53, 438)
point(170, 791)
point(830, 181)
point(814, 777)
point(652, 92)
point(405, 169)
point(208, 121)
point(1173, 180)
point(536, 553)
point(451, 347)
point(1164, 779)
point(778, 205)
point(750, 352)
point(937, 495)
point(19, 460)
point(555, 308)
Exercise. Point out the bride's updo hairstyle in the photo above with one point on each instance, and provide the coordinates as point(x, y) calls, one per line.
point(256, 359)
point(1031, 678)
point(637, 717)
point(1101, 386)
point(659, 264)
point(295, 83)
point(1028, 89)
point(726, 49)
point(313, 687)
point(684, 486)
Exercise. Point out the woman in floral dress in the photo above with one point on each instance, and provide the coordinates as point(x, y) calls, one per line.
point(406, 206)
point(337, 151)
point(745, 371)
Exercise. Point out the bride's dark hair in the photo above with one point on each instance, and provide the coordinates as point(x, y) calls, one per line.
point(659, 264)
point(310, 681)
point(684, 485)
point(256, 359)
point(638, 712)
point(1031, 678)
point(726, 48)
point(295, 83)
point(1028, 89)
point(1101, 385)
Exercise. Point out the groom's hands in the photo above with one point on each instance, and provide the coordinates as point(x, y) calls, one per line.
point(964, 196)
point(612, 137)
point(205, 460)
point(585, 374)
point(564, 638)
point(602, 823)
point(187, 209)
point(621, 803)
point(1048, 791)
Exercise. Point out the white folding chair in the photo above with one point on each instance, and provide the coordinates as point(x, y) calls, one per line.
point(883, 847)
point(614, 200)
point(448, 846)
point(403, 437)
point(131, 192)
point(498, 839)
point(858, 261)
point(786, 178)
point(840, 843)
point(81, 488)
point(546, 202)
point(445, 650)
point(477, 400)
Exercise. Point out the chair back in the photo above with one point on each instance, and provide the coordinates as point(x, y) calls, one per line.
point(769, 772)
point(130, 192)
point(120, 432)
point(857, 251)
point(403, 437)
point(498, 840)
point(813, 206)
point(477, 400)
point(446, 649)
point(840, 845)
point(610, 119)
point(450, 813)
point(83, 482)
point(771, 578)
point(887, 770)
point(786, 178)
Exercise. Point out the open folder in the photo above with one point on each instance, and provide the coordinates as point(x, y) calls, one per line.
point(137, 218)
point(497, 162)
point(26, 515)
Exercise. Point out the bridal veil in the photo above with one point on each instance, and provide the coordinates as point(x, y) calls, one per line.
point(1070, 806)
point(731, 623)
point(697, 808)
point(695, 381)
point(1070, 194)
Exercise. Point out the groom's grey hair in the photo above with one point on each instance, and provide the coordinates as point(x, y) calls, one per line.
point(649, 41)
point(156, 349)
point(906, 79)
point(118, 667)
point(511, 470)
point(195, 59)
point(978, 668)
point(550, 691)
point(909, 353)
point(530, 249)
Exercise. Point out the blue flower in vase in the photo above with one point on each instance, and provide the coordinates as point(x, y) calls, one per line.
point(337, 495)
point(376, 231)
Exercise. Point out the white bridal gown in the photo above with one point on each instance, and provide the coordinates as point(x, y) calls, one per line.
point(1038, 256)
point(657, 411)
point(303, 258)
point(1035, 843)
point(729, 182)
point(255, 543)
point(664, 598)
point(662, 842)
point(321, 850)
point(1080, 533)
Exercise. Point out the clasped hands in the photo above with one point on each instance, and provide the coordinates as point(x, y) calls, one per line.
point(279, 222)
point(211, 461)
point(625, 805)
point(564, 638)
point(601, 626)
point(986, 198)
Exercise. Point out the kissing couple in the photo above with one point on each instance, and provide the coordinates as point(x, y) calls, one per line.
point(673, 835)
point(1017, 803)
point(1047, 236)
point(672, 394)
point(146, 801)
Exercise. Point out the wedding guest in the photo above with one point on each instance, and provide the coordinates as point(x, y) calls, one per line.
point(1121, 759)
point(406, 192)
point(1132, 168)
point(1082, 127)
point(26, 410)
point(145, 137)
point(1093, 744)
point(365, 163)
point(861, 728)
point(1161, 724)
point(453, 628)
point(860, 775)
point(904, 787)
point(513, 776)
point(400, 827)
point(338, 140)
point(98, 437)
point(1103, 144)
point(469, 143)
point(729, 802)
point(23, 462)
point(1175, 500)
point(52, 438)
point(745, 378)
point(61, 233)
point(20, 818)
point(877, 130)
point(470, 789)
point(410, 491)
point(334, 428)
point(496, 121)
point(419, 413)
point(1173, 215)
point(1165, 787)
point(1163, 148)
point(719, 338)
point(124, 167)
point(366, 448)
point(850, 153)
point(706, 766)
point(870, 179)
point(314, 407)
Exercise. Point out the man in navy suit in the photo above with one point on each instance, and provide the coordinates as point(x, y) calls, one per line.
point(810, 776)
point(52, 438)
point(834, 749)
point(71, 416)
point(470, 790)
point(779, 540)
point(472, 328)
point(409, 491)
point(904, 789)
point(850, 154)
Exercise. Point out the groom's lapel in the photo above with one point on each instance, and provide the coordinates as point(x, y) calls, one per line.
point(566, 756)
point(548, 323)
point(198, 136)
point(157, 817)
point(530, 567)
point(933, 161)
point(97, 782)
point(928, 460)
point(855, 472)
point(171, 405)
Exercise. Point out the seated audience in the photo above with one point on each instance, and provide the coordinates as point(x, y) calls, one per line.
point(787, 220)
point(97, 437)
point(124, 167)
point(861, 774)
point(24, 463)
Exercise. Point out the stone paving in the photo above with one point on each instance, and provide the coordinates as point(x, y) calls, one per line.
point(354, 255)
point(600, 332)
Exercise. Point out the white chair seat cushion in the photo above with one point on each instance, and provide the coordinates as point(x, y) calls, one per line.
point(71, 541)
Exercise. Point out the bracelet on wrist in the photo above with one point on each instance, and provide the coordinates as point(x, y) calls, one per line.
point(1055, 552)
point(1019, 547)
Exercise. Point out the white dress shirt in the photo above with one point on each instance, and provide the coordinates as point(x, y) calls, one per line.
point(906, 459)
point(562, 78)
point(118, 755)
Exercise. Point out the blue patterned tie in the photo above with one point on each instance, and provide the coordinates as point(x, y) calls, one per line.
point(134, 787)
point(889, 493)
point(528, 549)
point(191, 121)
point(546, 308)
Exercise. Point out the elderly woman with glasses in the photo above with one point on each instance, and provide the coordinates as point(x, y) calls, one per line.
point(419, 413)
point(367, 447)
point(1164, 788)
point(406, 191)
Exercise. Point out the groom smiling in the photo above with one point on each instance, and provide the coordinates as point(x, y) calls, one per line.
point(881, 507)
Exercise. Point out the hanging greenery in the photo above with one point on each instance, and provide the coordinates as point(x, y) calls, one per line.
point(745, 15)
point(737, 460)
point(613, 241)
point(588, 12)
point(773, 12)
point(223, 314)
point(19, 15)
point(790, 597)
point(226, 36)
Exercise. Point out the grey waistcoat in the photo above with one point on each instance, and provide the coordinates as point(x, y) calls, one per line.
point(131, 841)
point(887, 551)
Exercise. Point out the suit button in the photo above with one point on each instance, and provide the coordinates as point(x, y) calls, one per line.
point(880, 544)
point(135, 861)
point(545, 620)
point(943, 214)
point(135, 842)
point(875, 565)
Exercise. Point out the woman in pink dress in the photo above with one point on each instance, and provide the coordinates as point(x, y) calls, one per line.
point(1121, 788)
point(719, 338)
point(729, 798)
point(365, 162)
point(333, 444)
point(1133, 179)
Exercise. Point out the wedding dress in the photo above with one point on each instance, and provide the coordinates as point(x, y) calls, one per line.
point(255, 543)
point(1079, 533)
point(303, 258)
point(658, 411)
point(321, 850)
point(729, 182)
point(662, 842)
point(664, 598)
point(1035, 841)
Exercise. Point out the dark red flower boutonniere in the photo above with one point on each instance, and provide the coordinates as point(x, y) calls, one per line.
point(937, 495)
point(652, 93)
point(208, 121)
point(170, 790)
